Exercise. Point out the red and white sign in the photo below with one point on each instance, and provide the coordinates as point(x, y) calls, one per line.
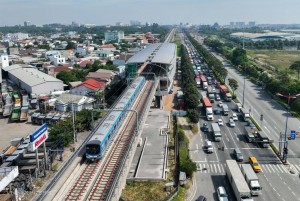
point(38, 137)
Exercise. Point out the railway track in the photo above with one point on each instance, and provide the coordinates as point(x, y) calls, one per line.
point(96, 179)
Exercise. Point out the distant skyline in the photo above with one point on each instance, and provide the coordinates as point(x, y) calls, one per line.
point(103, 12)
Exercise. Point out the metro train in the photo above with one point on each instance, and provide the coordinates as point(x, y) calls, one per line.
point(98, 143)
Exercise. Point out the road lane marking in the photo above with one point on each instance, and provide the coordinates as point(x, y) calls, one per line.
point(218, 165)
point(266, 167)
point(215, 168)
point(267, 129)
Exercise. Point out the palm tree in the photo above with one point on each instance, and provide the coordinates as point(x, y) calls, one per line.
point(296, 66)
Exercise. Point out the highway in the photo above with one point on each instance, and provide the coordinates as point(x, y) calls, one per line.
point(276, 180)
point(274, 115)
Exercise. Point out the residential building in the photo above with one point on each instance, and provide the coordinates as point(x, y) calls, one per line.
point(88, 86)
point(68, 102)
point(120, 71)
point(57, 59)
point(114, 36)
point(106, 76)
point(82, 50)
point(105, 54)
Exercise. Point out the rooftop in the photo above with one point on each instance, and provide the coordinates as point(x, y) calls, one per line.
point(30, 76)
point(161, 52)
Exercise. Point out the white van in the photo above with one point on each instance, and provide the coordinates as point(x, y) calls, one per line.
point(208, 146)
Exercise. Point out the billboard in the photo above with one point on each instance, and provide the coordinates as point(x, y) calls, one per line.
point(38, 137)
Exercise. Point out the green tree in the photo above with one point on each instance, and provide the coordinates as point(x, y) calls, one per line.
point(70, 45)
point(296, 67)
point(66, 77)
point(239, 56)
point(233, 84)
point(193, 115)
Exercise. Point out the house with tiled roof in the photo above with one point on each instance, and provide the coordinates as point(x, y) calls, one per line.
point(54, 70)
point(103, 75)
point(88, 86)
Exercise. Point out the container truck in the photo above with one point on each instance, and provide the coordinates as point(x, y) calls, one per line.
point(224, 92)
point(198, 82)
point(15, 115)
point(25, 102)
point(245, 114)
point(203, 82)
point(237, 181)
point(216, 132)
point(252, 179)
point(210, 94)
point(249, 133)
point(225, 109)
point(24, 114)
point(7, 110)
point(262, 139)
point(208, 109)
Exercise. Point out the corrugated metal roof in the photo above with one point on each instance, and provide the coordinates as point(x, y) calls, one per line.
point(165, 53)
point(143, 55)
point(32, 76)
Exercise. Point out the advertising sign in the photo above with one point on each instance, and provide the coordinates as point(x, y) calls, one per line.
point(38, 137)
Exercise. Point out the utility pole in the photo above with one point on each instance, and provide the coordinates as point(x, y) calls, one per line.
point(285, 144)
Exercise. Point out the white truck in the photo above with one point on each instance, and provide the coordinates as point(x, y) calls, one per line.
point(208, 108)
point(225, 109)
point(238, 183)
point(216, 132)
point(252, 179)
point(245, 114)
point(198, 82)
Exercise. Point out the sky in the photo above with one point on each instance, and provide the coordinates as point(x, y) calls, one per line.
point(103, 12)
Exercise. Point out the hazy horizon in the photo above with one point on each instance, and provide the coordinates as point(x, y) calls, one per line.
point(15, 12)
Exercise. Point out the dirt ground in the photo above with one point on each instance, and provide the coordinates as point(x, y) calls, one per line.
point(9, 131)
point(169, 103)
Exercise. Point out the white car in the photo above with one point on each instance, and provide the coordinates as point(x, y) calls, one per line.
point(222, 195)
point(220, 122)
point(234, 117)
point(220, 104)
point(231, 122)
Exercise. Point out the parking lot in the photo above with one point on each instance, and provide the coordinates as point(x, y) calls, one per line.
point(9, 131)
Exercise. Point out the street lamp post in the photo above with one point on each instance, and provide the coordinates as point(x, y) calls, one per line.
point(285, 145)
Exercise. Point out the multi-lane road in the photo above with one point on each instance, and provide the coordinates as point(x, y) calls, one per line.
point(276, 180)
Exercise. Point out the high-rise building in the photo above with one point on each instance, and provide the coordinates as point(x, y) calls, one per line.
point(27, 23)
point(114, 36)
point(251, 24)
point(231, 24)
point(135, 23)
point(240, 24)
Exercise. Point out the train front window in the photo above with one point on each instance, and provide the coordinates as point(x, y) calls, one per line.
point(92, 149)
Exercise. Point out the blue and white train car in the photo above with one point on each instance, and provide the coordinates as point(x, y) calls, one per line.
point(96, 146)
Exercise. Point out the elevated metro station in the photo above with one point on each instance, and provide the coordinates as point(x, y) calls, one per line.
point(157, 58)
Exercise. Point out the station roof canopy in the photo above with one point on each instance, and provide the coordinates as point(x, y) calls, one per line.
point(155, 53)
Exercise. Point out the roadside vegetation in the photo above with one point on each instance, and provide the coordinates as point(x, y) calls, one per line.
point(280, 78)
point(191, 94)
point(61, 134)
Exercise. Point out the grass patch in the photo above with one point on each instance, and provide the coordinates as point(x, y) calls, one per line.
point(194, 128)
point(144, 190)
point(180, 195)
point(274, 148)
point(280, 59)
